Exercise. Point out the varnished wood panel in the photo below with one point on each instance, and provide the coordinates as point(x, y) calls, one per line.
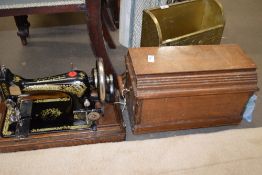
point(188, 87)
point(182, 59)
point(193, 107)
point(43, 10)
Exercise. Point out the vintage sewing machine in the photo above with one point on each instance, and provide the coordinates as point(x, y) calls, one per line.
point(65, 102)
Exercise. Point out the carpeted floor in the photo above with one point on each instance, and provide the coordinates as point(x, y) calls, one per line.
point(233, 152)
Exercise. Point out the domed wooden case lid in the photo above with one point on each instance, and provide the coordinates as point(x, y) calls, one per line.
point(184, 70)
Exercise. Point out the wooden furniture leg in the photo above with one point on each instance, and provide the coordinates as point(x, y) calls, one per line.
point(107, 22)
point(94, 25)
point(107, 15)
point(107, 36)
point(113, 7)
point(23, 27)
point(116, 13)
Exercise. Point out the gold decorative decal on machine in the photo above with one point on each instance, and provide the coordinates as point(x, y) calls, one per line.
point(53, 78)
point(79, 116)
point(4, 89)
point(16, 79)
point(7, 123)
point(78, 88)
point(82, 75)
point(52, 100)
point(51, 113)
point(60, 128)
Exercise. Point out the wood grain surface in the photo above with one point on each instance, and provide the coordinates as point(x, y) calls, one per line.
point(182, 59)
point(188, 87)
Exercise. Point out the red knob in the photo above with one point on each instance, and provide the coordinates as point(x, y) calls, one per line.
point(72, 74)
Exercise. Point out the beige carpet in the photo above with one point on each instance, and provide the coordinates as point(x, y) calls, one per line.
point(234, 152)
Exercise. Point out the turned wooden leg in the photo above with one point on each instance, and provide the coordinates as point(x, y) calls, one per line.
point(107, 36)
point(23, 27)
point(107, 15)
point(94, 25)
point(116, 13)
point(113, 7)
point(107, 21)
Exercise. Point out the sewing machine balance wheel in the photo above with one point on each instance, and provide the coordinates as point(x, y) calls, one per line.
point(103, 82)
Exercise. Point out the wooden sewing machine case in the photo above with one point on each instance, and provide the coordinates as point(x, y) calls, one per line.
point(184, 87)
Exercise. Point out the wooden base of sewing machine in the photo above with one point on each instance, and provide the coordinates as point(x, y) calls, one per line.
point(109, 129)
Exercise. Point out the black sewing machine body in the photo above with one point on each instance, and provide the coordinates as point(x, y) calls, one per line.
point(72, 100)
